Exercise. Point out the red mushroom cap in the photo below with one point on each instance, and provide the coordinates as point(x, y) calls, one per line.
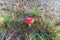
point(29, 20)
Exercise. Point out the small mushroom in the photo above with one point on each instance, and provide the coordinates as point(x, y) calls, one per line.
point(29, 21)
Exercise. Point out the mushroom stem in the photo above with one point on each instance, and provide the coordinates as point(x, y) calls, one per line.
point(29, 25)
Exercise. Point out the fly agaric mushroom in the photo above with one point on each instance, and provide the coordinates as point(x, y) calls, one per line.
point(29, 21)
